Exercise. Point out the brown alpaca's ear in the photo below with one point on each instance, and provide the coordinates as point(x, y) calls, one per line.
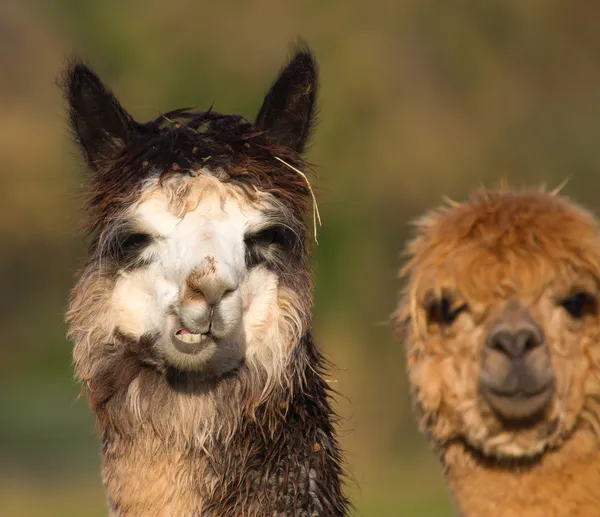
point(100, 124)
point(288, 111)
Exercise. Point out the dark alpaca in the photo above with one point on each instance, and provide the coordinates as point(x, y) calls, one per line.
point(191, 318)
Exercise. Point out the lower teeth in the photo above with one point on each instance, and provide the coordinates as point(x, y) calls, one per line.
point(189, 338)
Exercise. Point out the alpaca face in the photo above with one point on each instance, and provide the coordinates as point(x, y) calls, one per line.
point(197, 269)
point(500, 320)
point(199, 255)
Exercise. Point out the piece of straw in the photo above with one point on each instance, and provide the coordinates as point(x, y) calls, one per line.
point(316, 215)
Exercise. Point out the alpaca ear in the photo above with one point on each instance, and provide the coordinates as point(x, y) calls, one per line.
point(100, 124)
point(288, 110)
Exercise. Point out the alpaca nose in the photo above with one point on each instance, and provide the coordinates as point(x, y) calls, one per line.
point(212, 283)
point(516, 342)
point(214, 288)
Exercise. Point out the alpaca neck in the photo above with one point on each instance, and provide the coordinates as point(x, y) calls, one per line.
point(281, 458)
point(562, 482)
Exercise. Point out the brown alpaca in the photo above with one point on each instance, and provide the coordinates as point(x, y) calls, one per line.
point(501, 325)
point(191, 318)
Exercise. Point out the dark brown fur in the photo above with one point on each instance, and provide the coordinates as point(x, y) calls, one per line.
point(274, 447)
point(181, 142)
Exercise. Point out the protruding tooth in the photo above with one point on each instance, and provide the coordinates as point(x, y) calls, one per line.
point(190, 338)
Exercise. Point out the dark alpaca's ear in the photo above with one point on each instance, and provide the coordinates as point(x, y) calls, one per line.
point(100, 124)
point(288, 111)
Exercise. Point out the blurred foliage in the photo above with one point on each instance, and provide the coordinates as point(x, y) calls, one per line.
point(419, 99)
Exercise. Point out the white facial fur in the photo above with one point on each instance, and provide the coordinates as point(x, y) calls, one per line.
point(196, 278)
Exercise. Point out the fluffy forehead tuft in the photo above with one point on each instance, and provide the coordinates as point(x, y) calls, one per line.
point(501, 240)
point(178, 195)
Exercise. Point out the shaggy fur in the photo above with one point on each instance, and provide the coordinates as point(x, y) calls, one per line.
point(467, 264)
point(259, 439)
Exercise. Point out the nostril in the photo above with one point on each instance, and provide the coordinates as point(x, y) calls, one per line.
point(229, 291)
point(527, 340)
point(496, 345)
point(501, 342)
point(530, 344)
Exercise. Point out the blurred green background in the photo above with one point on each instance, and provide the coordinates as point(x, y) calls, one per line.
point(419, 99)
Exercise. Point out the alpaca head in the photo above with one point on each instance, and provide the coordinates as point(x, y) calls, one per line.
point(500, 320)
point(198, 261)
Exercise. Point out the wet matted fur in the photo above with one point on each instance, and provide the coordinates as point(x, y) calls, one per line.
point(245, 428)
point(469, 263)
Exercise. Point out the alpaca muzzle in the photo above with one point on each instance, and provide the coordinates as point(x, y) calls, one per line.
point(516, 379)
point(204, 331)
point(211, 307)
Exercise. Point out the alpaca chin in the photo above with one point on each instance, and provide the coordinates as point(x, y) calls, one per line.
point(561, 481)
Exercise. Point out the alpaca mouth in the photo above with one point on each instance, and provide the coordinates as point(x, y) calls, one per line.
point(519, 406)
point(187, 342)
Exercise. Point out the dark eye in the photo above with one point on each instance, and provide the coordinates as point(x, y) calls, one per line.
point(443, 312)
point(128, 246)
point(268, 244)
point(135, 241)
point(579, 304)
point(274, 235)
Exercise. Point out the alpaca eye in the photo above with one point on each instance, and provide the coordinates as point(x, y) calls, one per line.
point(273, 235)
point(263, 245)
point(135, 241)
point(579, 304)
point(443, 312)
point(128, 246)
